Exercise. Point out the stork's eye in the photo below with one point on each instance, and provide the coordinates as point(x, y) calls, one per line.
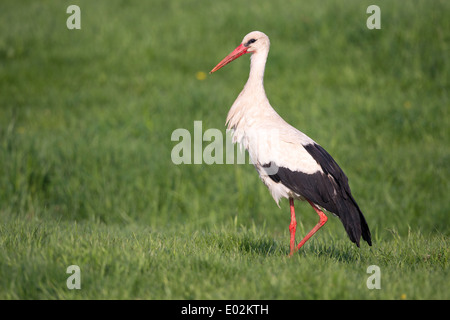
point(249, 42)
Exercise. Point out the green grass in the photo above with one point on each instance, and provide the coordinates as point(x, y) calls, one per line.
point(135, 262)
point(86, 176)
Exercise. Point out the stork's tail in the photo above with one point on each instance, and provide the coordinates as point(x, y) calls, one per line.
point(354, 222)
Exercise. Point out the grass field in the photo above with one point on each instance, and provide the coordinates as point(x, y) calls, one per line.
point(86, 176)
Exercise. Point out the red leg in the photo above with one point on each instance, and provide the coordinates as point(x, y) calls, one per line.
point(322, 220)
point(292, 226)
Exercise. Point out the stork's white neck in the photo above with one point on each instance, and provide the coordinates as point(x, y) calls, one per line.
point(253, 97)
point(257, 67)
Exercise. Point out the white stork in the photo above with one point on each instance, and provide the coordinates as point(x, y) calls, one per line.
point(290, 164)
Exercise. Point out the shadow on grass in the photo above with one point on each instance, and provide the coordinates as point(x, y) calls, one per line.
point(343, 253)
point(265, 247)
point(251, 245)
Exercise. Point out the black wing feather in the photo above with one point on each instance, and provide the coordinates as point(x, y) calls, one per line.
point(329, 189)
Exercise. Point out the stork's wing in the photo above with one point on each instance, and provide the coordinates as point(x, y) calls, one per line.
point(327, 188)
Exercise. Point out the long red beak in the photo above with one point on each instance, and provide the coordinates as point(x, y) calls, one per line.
point(239, 51)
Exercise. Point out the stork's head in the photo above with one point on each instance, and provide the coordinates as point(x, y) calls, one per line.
point(253, 42)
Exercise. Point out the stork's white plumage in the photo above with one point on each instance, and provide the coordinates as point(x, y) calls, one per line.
point(290, 164)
